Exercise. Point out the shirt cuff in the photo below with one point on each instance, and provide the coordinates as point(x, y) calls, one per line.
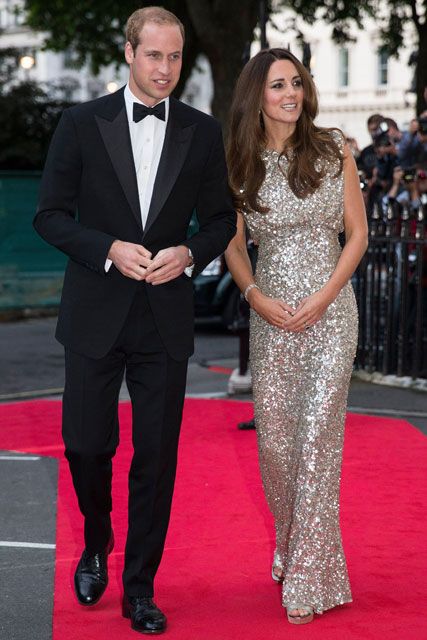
point(189, 271)
point(107, 265)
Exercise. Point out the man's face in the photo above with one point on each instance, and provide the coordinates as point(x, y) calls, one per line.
point(372, 128)
point(394, 133)
point(422, 180)
point(156, 63)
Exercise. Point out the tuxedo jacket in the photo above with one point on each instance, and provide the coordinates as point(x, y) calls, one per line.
point(89, 198)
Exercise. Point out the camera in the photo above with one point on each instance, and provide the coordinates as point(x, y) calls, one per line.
point(410, 174)
point(422, 126)
point(363, 181)
point(381, 137)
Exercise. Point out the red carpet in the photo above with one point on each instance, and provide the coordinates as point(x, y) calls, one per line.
point(214, 581)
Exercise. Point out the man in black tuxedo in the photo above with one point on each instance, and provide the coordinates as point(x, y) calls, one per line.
point(123, 176)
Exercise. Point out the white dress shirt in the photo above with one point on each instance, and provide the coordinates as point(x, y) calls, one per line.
point(147, 137)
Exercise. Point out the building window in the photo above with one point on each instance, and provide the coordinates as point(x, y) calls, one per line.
point(13, 16)
point(343, 67)
point(4, 18)
point(68, 59)
point(382, 67)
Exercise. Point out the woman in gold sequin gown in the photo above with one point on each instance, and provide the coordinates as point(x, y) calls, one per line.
point(296, 187)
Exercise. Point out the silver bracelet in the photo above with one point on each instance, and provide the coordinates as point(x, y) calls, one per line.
point(248, 288)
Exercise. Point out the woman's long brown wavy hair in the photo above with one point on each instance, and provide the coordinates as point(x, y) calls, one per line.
point(247, 139)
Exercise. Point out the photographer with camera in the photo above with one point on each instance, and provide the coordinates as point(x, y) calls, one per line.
point(367, 159)
point(385, 146)
point(394, 133)
point(407, 187)
point(413, 144)
point(386, 159)
point(409, 145)
point(414, 177)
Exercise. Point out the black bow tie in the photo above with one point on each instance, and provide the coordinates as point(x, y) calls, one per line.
point(140, 111)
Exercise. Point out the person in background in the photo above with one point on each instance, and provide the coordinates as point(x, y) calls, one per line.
point(409, 145)
point(367, 164)
point(367, 159)
point(387, 160)
point(385, 149)
point(407, 187)
point(393, 132)
point(240, 380)
point(409, 178)
point(296, 187)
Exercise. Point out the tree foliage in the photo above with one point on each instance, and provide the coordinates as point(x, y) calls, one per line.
point(28, 117)
point(27, 121)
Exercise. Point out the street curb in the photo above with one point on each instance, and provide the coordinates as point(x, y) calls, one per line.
point(403, 382)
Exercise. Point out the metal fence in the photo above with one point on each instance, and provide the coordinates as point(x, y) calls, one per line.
point(391, 291)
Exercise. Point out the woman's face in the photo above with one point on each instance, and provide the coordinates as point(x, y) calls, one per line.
point(283, 93)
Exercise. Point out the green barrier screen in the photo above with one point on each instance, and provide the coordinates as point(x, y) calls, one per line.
point(31, 272)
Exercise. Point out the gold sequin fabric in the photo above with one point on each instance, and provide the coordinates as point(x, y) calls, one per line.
point(300, 384)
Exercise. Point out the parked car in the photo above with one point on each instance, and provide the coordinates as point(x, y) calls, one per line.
point(215, 294)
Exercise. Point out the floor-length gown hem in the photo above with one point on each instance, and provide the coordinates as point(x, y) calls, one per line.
point(319, 609)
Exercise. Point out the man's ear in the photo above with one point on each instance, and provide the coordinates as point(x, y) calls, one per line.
point(129, 54)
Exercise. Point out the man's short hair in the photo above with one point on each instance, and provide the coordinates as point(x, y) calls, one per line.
point(140, 17)
point(391, 123)
point(374, 119)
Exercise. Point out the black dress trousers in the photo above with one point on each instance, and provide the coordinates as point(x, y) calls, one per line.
point(156, 386)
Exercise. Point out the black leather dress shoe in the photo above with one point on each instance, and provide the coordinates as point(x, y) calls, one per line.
point(91, 577)
point(245, 426)
point(145, 616)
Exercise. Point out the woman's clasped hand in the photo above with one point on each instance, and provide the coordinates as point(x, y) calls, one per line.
point(296, 319)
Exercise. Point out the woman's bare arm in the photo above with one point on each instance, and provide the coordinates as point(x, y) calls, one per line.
point(312, 308)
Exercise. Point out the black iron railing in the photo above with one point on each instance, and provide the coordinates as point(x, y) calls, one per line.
point(391, 291)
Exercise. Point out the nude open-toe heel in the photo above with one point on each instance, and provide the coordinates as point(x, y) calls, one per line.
point(274, 575)
point(300, 619)
point(277, 565)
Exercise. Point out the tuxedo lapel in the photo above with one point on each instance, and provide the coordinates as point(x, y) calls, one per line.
point(114, 129)
point(177, 142)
